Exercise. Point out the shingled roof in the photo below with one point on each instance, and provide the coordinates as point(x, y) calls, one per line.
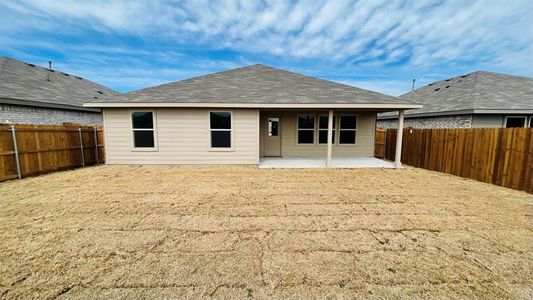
point(252, 85)
point(477, 92)
point(27, 84)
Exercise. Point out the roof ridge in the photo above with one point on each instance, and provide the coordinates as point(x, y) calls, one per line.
point(55, 71)
point(265, 66)
point(499, 74)
point(330, 81)
point(190, 78)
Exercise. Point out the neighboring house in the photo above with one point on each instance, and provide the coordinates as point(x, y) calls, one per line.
point(478, 99)
point(35, 95)
point(241, 115)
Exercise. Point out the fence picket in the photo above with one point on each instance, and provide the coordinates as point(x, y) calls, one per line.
point(47, 148)
point(501, 156)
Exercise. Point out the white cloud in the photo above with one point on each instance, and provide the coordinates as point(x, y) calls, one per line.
point(409, 37)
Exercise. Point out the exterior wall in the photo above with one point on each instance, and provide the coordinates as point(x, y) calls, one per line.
point(19, 114)
point(487, 121)
point(182, 137)
point(364, 146)
point(460, 121)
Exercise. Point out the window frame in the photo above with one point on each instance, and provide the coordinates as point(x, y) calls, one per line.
point(334, 131)
point(307, 129)
point(231, 130)
point(268, 126)
point(153, 129)
point(530, 124)
point(340, 129)
point(525, 125)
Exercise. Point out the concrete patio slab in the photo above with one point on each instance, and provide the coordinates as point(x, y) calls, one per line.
point(316, 162)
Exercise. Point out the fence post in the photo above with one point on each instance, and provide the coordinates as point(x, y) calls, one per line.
point(96, 145)
point(384, 143)
point(81, 148)
point(16, 150)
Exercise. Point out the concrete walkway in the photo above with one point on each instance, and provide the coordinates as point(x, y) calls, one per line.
point(316, 162)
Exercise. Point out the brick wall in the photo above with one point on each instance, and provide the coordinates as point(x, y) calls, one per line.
point(39, 115)
point(461, 121)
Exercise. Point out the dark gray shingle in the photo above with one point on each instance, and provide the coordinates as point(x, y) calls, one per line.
point(255, 84)
point(474, 91)
point(25, 82)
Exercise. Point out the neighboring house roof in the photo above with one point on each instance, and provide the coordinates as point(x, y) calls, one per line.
point(252, 86)
point(474, 93)
point(27, 84)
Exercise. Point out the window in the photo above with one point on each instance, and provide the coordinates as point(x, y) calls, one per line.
point(273, 126)
point(306, 129)
point(347, 129)
point(531, 122)
point(323, 129)
point(220, 129)
point(513, 122)
point(142, 125)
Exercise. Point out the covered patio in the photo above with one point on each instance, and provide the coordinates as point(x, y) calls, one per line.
point(317, 162)
point(322, 138)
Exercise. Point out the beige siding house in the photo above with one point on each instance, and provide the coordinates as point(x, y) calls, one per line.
point(241, 117)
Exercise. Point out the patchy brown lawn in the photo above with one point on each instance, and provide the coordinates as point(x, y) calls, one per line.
point(165, 232)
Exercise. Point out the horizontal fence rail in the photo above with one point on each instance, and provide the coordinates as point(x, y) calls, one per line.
point(501, 156)
point(27, 150)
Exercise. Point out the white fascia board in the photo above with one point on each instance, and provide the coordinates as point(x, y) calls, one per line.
point(255, 105)
point(503, 111)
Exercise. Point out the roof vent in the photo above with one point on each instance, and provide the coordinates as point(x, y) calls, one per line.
point(79, 77)
point(431, 84)
point(437, 89)
point(65, 74)
point(50, 69)
point(100, 92)
point(95, 97)
point(465, 76)
point(447, 86)
point(31, 65)
point(447, 80)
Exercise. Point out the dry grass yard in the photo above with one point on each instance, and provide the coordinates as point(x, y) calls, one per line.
point(244, 233)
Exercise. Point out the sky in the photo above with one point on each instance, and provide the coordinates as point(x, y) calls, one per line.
point(380, 45)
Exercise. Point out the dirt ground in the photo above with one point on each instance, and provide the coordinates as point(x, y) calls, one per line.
point(245, 233)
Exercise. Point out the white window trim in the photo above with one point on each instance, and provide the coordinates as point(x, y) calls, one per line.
point(279, 126)
point(231, 130)
point(340, 129)
point(525, 121)
point(307, 129)
point(154, 130)
point(335, 129)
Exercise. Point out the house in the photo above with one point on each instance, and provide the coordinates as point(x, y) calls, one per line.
point(243, 116)
point(35, 95)
point(478, 99)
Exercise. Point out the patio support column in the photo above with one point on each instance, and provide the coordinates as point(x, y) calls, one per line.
point(330, 137)
point(399, 137)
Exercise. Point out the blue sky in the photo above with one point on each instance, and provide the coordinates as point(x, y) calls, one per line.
point(379, 45)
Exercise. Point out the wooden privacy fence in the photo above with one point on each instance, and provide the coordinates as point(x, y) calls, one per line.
point(27, 150)
point(501, 156)
point(379, 148)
